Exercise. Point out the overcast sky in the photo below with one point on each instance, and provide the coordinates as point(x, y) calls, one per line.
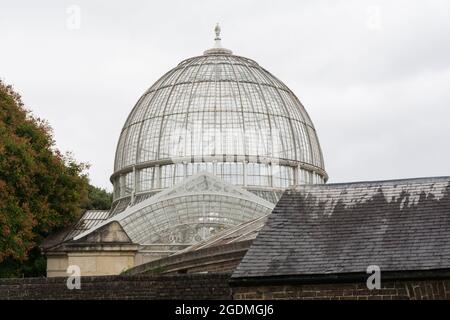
point(373, 75)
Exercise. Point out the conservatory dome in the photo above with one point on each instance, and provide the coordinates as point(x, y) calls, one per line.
point(223, 114)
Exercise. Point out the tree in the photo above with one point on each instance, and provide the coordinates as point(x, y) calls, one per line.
point(41, 190)
point(98, 199)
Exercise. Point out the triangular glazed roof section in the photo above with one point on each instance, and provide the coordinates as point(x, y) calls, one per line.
point(202, 182)
point(88, 220)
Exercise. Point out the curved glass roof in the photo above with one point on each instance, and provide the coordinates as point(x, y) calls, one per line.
point(225, 113)
point(192, 211)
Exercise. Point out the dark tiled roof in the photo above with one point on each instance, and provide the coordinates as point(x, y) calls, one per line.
point(343, 228)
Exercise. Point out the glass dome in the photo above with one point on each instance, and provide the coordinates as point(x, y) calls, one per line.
point(223, 114)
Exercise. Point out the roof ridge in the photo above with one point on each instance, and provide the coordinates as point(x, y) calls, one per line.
point(388, 181)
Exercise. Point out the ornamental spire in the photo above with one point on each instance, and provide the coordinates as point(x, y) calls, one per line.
point(217, 31)
point(217, 39)
point(217, 49)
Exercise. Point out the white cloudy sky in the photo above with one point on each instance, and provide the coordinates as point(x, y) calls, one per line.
point(373, 75)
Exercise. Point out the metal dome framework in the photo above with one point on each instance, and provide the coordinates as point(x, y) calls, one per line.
point(222, 114)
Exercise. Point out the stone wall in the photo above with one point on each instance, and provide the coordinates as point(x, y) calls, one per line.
point(405, 290)
point(198, 286)
point(92, 263)
point(106, 251)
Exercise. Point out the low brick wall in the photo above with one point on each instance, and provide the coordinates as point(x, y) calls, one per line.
point(195, 286)
point(213, 286)
point(394, 290)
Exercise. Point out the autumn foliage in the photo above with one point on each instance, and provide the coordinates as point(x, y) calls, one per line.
point(41, 190)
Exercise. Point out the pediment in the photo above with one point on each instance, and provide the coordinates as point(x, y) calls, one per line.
point(205, 182)
point(109, 233)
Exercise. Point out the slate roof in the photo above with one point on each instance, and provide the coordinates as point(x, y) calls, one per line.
point(343, 228)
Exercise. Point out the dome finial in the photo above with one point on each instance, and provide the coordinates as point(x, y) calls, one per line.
point(217, 39)
point(217, 31)
point(217, 49)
